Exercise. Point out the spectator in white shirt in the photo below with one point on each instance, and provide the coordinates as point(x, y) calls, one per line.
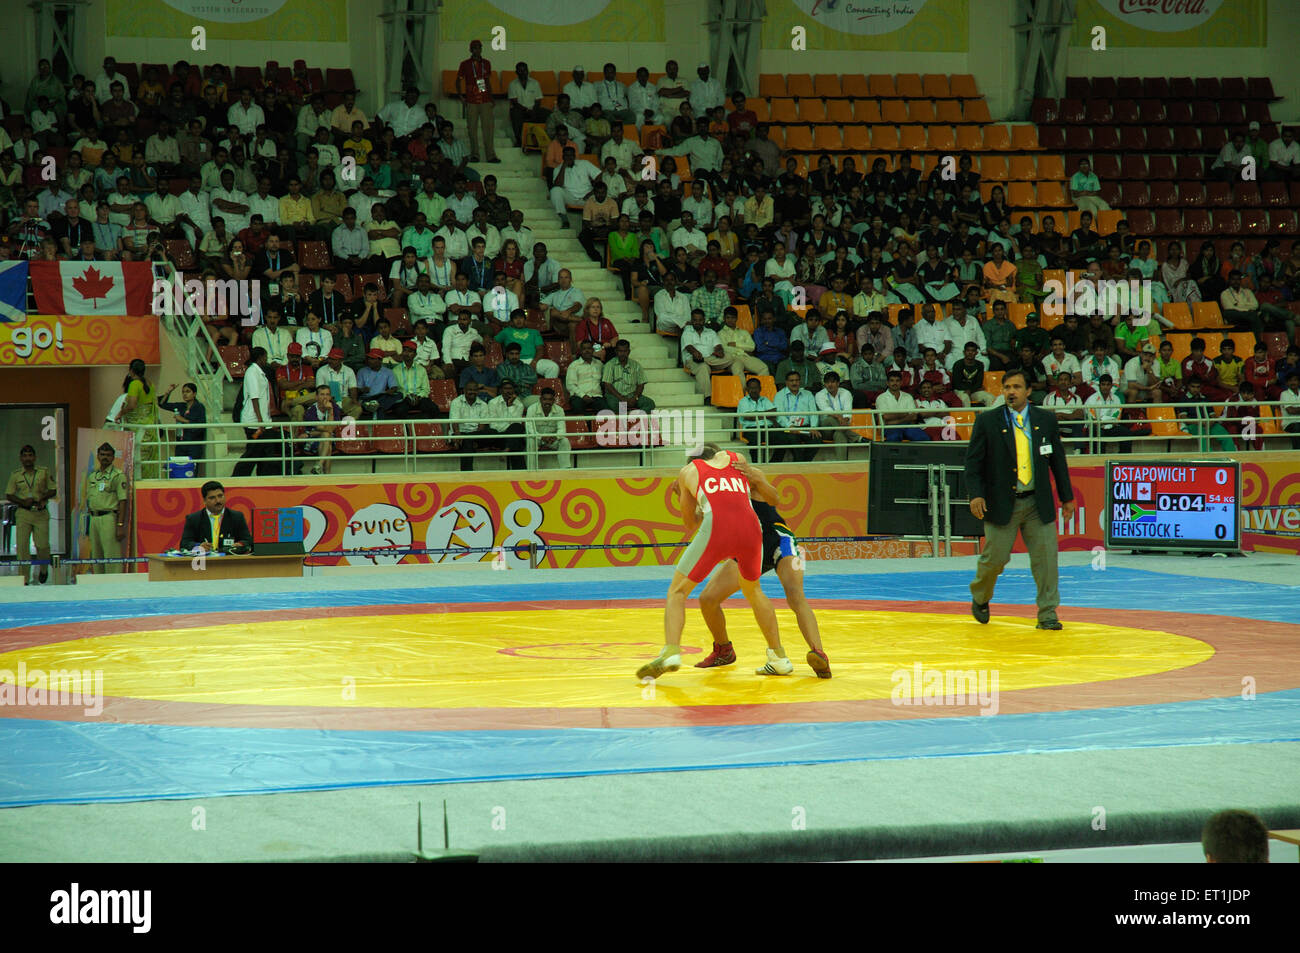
point(1284, 156)
point(230, 203)
point(835, 404)
point(546, 432)
point(1059, 359)
point(456, 342)
point(1104, 407)
point(705, 92)
point(1228, 164)
point(105, 80)
point(699, 206)
point(583, 382)
point(571, 184)
point(425, 303)
point(702, 353)
point(643, 100)
point(627, 153)
point(962, 328)
point(245, 115)
point(1065, 402)
point(525, 95)
point(404, 116)
point(581, 93)
point(564, 305)
point(933, 333)
point(672, 309)
point(612, 96)
point(1290, 409)
point(467, 418)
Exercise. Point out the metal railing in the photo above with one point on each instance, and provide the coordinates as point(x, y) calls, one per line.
point(410, 445)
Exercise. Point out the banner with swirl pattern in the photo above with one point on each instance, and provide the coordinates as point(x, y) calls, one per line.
point(71, 340)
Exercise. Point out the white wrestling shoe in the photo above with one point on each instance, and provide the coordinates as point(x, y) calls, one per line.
point(775, 665)
point(658, 665)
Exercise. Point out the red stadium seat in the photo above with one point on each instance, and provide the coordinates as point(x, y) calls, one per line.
point(580, 438)
point(1078, 87)
point(1110, 193)
point(1078, 139)
point(1131, 139)
point(1274, 194)
point(1191, 194)
point(1106, 138)
point(429, 438)
point(1128, 87)
point(1182, 87)
point(1169, 222)
point(1052, 138)
point(1234, 88)
point(399, 320)
point(442, 393)
point(1190, 167)
point(1141, 222)
point(1133, 167)
point(1205, 113)
point(1135, 195)
point(1281, 221)
point(1247, 195)
point(1224, 222)
point(1099, 112)
point(1197, 221)
point(314, 256)
point(1219, 195)
point(1127, 112)
point(1178, 113)
point(1162, 167)
point(1232, 113)
point(1106, 166)
point(1104, 87)
point(389, 438)
point(1260, 87)
point(181, 254)
point(1151, 111)
point(1187, 139)
point(1160, 139)
point(1214, 138)
point(358, 444)
point(339, 80)
point(1043, 111)
point(1155, 87)
point(1164, 194)
point(235, 357)
point(1073, 111)
point(1207, 87)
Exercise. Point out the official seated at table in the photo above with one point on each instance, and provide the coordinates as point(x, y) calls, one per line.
point(215, 526)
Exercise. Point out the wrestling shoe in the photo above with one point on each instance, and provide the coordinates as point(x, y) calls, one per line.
point(775, 665)
point(658, 665)
point(722, 654)
point(819, 663)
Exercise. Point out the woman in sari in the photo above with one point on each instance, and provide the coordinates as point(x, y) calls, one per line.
point(1175, 276)
point(141, 407)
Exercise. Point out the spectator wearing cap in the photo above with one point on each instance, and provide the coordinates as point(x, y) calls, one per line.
point(829, 361)
point(582, 95)
point(295, 384)
point(474, 89)
point(1258, 147)
point(705, 92)
point(525, 95)
point(377, 386)
point(1140, 378)
point(413, 384)
point(341, 380)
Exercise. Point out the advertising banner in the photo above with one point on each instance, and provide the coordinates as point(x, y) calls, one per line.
point(1172, 23)
point(910, 26)
point(69, 340)
point(313, 21)
point(598, 22)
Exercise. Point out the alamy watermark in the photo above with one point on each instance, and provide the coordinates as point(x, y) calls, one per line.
point(215, 297)
point(1104, 296)
point(56, 689)
point(659, 428)
point(949, 687)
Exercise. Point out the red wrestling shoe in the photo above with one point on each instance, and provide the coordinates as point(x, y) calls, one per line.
point(722, 654)
point(819, 663)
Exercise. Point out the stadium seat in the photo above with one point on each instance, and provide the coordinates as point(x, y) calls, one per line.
point(863, 424)
point(1016, 311)
point(997, 138)
point(314, 256)
point(941, 138)
point(893, 111)
point(400, 321)
point(970, 139)
point(580, 438)
point(1205, 113)
point(555, 384)
point(840, 111)
point(389, 438)
point(1206, 314)
point(1164, 423)
point(827, 139)
point(1132, 139)
point(1274, 194)
point(1281, 221)
point(882, 86)
point(1072, 111)
point(1127, 112)
point(799, 139)
point(1107, 220)
point(1254, 221)
point(1023, 168)
point(948, 111)
point(429, 438)
point(1162, 167)
point(1191, 194)
point(1187, 139)
point(1277, 344)
point(812, 110)
point(1164, 194)
point(1051, 167)
point(912, 138)
point(855, 86)
point(1022, 195)
point(1247, 195)
point(909, 85)
point(1078, 139)
point(442, 393)
point(1135, 194)
point(1169, 222)
point(977, 111)
point(1159, 139)
point(962, 85)
point(374, 278)
point(921, 111)
point(1099, 112)
point(800, 85)
point(857, 138)
point(1106, 139)
point(359, 443)
point(1196, 221)
point(1213, 139)
point(1260, 87)
point(1043, 111)
point(339, 80)
point(1180, 314)
point(181, 254)
point(235, 357)
point(935, 86)
point(827, 86)
point(1105, 166)
point(994, 168)
point(993, 382)
point(1232, 113)
point(772, 86)
point(784, 111)
point(1224, 221)
point(1219, 195)
point(1141, 223)
point(1052, 138)
point(561, 352)
point(1052, 195)
point(1182, 87)
point(867, 111)
point(884, 138)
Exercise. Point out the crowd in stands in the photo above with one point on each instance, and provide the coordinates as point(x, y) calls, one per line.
point(394, 272)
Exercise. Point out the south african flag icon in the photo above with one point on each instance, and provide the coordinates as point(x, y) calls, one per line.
point(1138, 514)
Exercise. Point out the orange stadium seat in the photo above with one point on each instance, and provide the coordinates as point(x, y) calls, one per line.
point(857, 138)
point(881, 86)
point(1022, 168)
point(799, 139)
point(812, 110)
point(772, 86)
point(1025, 137)
point(855, 86)
point(970, 138)
point(784, 111)
point(1022, 195)
point(942, 138)
point(864, 110)
point(828, 139)
point(1180, 314)
point(894, 110)
point(949, 111)
point(909, 85)
point(827, 86)
point(1051, 167)
point(977, 110)
point(840, 111)
point(921, 110)
point(935, 86)
point(1206, 314)
point(1016, 311)
point(994, 168)
point(962, 85)
point(997, 138)
point(1052, 195)
point(912, 138)
point(885, 138)
point(799, 85)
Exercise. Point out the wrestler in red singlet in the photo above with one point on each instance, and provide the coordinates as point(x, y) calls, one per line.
point(730, 528)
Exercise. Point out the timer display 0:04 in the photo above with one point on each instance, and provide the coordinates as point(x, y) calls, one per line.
point(1180, 502)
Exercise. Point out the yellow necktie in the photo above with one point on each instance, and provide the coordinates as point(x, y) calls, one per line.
point(1024, 472)
point(216, 531)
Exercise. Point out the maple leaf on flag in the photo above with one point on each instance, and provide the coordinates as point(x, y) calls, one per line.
point(92, 285)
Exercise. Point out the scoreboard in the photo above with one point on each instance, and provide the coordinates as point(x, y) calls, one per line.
point(1166, 505)
point(278, 532)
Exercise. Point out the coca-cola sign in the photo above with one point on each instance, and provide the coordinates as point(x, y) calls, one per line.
point(1164, 16)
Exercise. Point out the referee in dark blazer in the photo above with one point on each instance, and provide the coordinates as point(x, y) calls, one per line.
point(1014, 452)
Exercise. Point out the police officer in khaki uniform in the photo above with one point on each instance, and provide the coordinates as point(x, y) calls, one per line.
point(104, 496)
point(32, 487)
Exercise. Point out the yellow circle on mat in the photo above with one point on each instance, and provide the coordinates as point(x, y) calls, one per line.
point(587, 658)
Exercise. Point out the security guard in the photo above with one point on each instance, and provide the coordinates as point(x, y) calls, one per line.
point(31, 487)
point(104, 495)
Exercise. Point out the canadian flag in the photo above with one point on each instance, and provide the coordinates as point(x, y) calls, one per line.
point(92, 287)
